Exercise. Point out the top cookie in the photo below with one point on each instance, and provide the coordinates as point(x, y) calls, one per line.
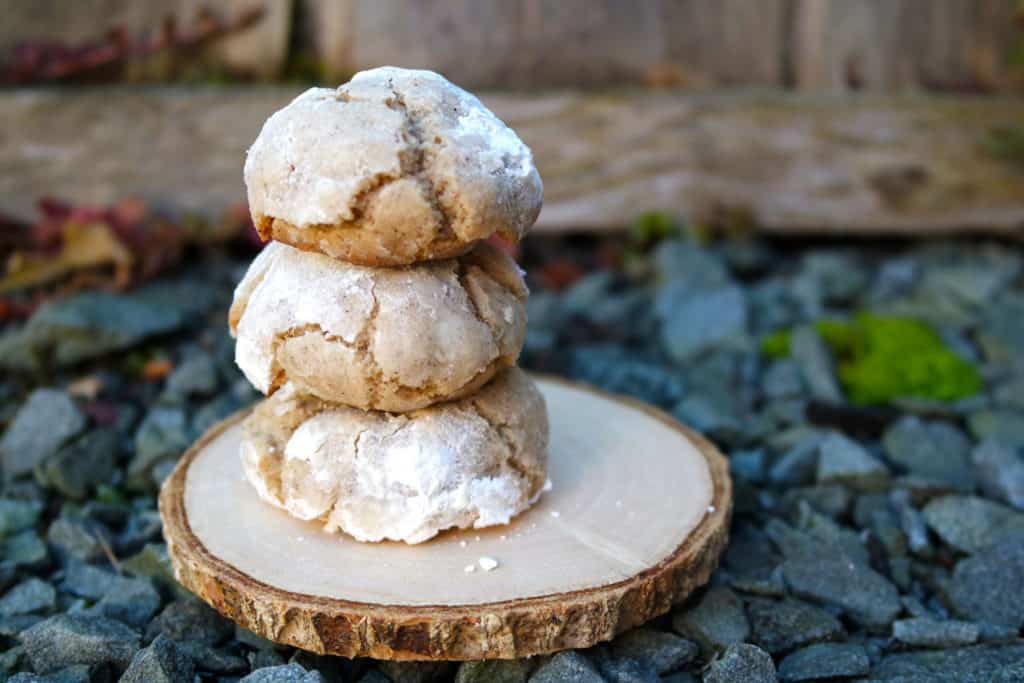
point(393, 167)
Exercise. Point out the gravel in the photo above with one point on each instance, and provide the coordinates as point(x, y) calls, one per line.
point(926, 632)
point(1000, 471)
point(981, 584)
point(162, 662)
point(567, 667)
point(863, 594)
point(742, 662)
point(825, 660)
point(780, 626)
point(859, 531)
point(47, 420)
point(716, 621)
point(68, 639)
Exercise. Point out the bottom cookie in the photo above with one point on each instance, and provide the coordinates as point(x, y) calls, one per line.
point(377, 476)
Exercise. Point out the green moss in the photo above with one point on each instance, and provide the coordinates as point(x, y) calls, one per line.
point(1007, 143)
point(882, 358)
point(651, 227)
point(776, 344)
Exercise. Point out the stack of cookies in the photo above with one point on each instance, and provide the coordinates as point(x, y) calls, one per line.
point(380, 322)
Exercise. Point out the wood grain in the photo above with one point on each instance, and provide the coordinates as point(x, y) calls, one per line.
point(774, 163)
point(516, 610)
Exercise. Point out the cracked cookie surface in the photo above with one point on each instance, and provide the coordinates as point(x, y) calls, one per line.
point(394, 167)
point(475, 462)
point(395, 339)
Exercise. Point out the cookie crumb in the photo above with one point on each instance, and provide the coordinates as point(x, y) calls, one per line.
point(487, 563)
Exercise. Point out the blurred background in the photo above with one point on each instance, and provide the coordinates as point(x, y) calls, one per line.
point(793, 224)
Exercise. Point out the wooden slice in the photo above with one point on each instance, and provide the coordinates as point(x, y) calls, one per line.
point(635, 519)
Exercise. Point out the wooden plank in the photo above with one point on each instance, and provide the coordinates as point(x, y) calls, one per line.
point(894, 165)
point(535, 43)
point(260, 50)
point(892, 45)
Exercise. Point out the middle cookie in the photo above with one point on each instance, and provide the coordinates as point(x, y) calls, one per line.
point(394, 339)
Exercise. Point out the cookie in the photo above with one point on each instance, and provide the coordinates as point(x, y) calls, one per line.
point(476, 462)
point(395, 339)
point(394, 167)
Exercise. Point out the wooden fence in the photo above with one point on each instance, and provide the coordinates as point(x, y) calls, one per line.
point(820, 45)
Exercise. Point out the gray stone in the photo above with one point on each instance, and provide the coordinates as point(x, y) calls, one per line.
point(716, 621)
point(11, 659)
point(87, 581)
point(973, 664)
point(1010, 394)
point(748, 464)
point(970, 523)
point(825, 660)
point(196, 375)
point(47, 420)
point(699, 320)
point(613, 369)
point(31, 596)
point(163, 434)
point(1000, 472)
point(716, 418)
point(627, 670)
point(935, 452)
point(1004, 426)
point(133, 601)
point(93, 323)
point(797, 465)
point(911, 521)
point(743, 662)
point(191, 619)
point(865, 595)
point(212, 660)
point(18, 515)
point(929, 632)
point(817, 366)
point(982, 585)
point(780, 626)
point(213, 411)
point(587, 292)
point(831, 500)
point(25, 551)
point(71, 538)
point(782, 379)
point(154, 562)
point(161, 662)
point(664, 651)
point(844, 461)
point(567, 667)
point(492, 671)
point(68, 639)
point(81, 465)
point(818, 537)
point(687, 264)
point(838, 274)
point(288, 673)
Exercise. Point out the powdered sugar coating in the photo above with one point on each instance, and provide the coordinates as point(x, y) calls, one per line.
point(393, 167)
point(471, 463)
point(394, 339)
